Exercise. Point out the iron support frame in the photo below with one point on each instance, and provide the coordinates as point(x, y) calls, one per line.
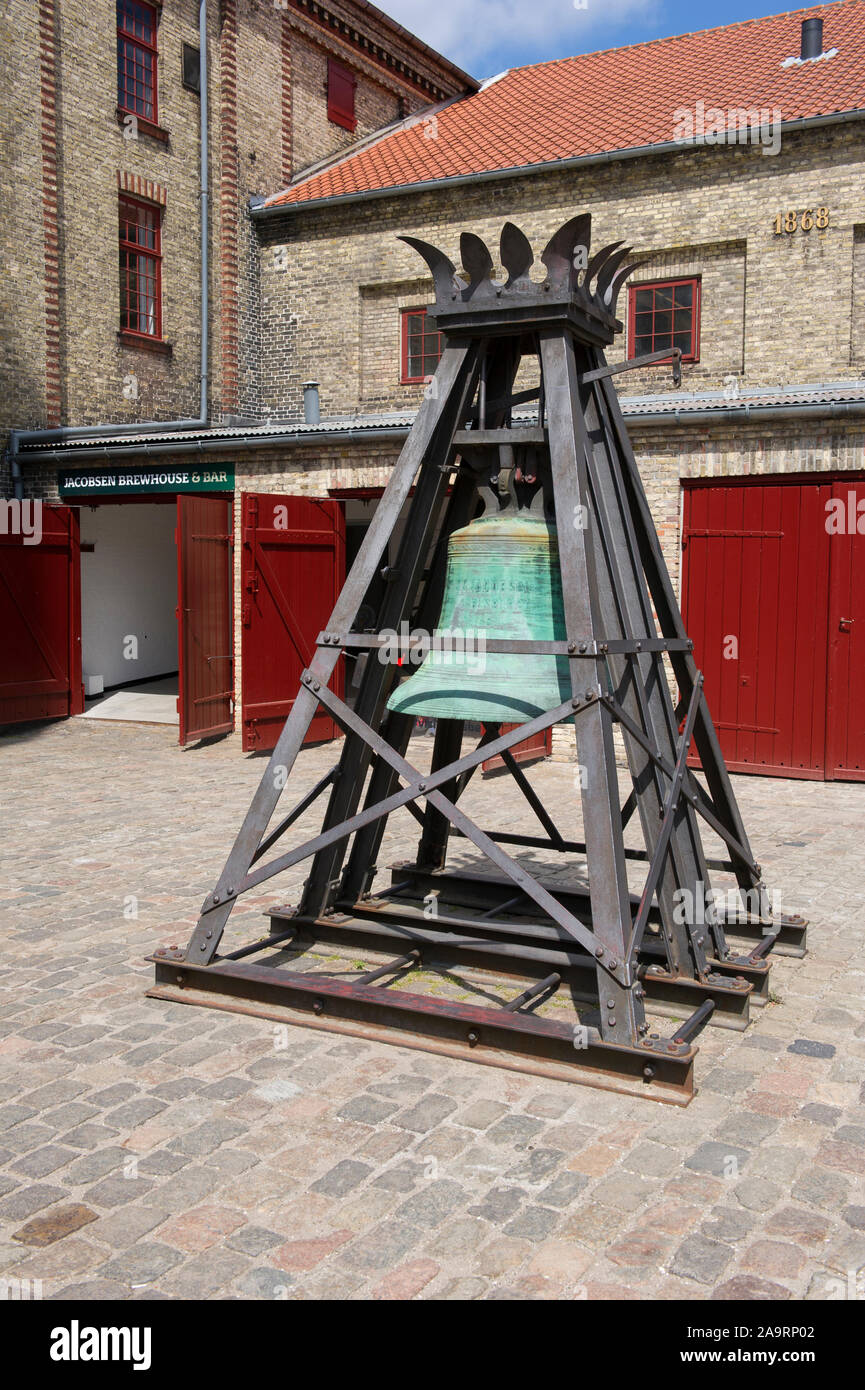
point(618, 950)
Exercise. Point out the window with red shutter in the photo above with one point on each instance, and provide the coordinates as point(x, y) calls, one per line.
point(341, 83)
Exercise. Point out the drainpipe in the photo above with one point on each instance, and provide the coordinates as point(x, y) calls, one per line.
point(19, 437)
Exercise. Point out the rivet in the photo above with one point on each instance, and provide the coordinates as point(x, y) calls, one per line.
point(421, 786)
point(317, 1006)
point(588, 694)
point(217, 898)
point(648, 1073)
point(208, 934)
point(473, 1039)
point(611, 1003)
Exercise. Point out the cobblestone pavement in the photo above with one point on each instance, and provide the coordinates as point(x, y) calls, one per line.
point(152, 1150)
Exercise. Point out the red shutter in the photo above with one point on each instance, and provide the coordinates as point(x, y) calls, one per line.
point(40, 617)
point(292, 569)
point(341, 83)
point(204, 626)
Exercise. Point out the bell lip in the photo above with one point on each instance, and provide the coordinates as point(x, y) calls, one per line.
point(527, 710)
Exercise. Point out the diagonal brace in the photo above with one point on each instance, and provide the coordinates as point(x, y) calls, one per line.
point(406, 795)
point(671, 806)
point(550, 905)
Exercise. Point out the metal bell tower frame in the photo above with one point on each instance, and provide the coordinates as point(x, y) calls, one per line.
point(664, 948)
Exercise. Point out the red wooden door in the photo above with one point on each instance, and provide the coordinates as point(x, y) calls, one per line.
point(40, 615)
point(845, 720)
point(204, 626)
point(292, 569)
point(755, 596)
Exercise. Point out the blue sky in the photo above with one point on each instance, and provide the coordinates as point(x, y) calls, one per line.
point(487, 36)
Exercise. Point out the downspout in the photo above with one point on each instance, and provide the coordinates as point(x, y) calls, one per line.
point(19, 437)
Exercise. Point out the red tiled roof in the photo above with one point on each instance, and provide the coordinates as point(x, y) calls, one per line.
point(622, 98)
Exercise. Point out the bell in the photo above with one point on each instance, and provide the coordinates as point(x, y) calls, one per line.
point(503, 581)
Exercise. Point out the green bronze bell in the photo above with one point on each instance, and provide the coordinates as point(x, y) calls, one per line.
point(502, 581)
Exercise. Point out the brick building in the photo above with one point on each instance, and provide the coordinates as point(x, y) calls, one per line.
point(731, 161)
point(131, 298)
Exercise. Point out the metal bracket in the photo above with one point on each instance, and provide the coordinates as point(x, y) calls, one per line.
point(673, 356)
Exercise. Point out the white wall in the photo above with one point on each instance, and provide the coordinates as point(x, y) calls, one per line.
point(128, 589)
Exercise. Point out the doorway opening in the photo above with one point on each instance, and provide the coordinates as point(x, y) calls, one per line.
point(129, 634)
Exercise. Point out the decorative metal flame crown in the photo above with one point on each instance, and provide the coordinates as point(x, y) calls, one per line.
point(591, 285)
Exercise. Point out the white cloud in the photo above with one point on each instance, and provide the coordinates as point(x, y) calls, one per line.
point(487, 35)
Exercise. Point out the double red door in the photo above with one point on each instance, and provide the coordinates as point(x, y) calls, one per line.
point(292, 569)
point(773, 595)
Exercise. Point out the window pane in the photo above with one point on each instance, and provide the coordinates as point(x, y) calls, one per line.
point(683, 341)
point(642, 344)
point(663, 323)
point(643, 300)
point(643, 323)
point(663, 297)
point(684, 294)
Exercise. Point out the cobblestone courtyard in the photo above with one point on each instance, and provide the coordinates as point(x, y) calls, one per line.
point(191, 1153)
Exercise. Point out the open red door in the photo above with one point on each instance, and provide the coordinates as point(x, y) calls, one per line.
point(292, 569)
point(40, 615)
point(204, 628)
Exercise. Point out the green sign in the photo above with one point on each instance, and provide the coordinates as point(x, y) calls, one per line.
point(135, 481)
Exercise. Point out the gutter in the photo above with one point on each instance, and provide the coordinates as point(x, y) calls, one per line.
point(209, 446)
point(267, 211)
point(19, 437)
point(383, 433)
